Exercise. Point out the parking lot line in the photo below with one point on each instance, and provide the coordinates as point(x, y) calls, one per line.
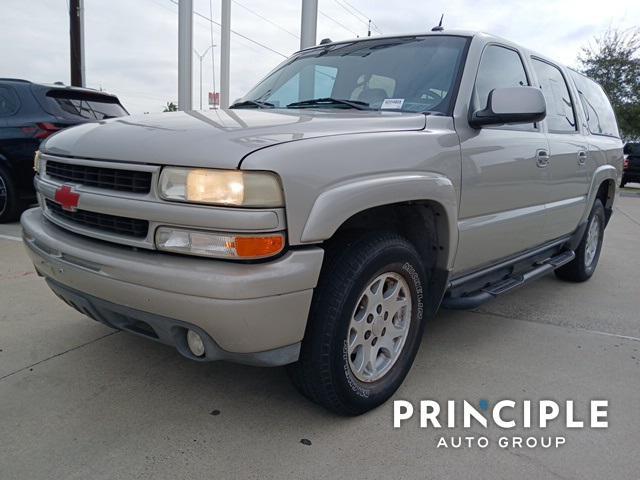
point(10, 237)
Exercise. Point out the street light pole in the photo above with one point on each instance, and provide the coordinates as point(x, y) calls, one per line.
point(200, 58)
point(225, 53)
point(185, 47)
point(309, 23)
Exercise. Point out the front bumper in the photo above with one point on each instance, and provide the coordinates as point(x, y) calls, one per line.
point(249, 313)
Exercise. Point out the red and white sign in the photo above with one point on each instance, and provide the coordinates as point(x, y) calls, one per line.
point(214, 99)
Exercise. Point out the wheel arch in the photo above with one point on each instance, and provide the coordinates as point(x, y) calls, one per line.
point(603, 187)
point(606, 193)
point(424, 223)
point(5, 163)
point(371, 198)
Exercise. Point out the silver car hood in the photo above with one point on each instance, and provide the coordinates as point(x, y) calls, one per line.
point(215, 138)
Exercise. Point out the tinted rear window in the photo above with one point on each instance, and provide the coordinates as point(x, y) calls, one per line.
point(91, 107)
point(600, 117)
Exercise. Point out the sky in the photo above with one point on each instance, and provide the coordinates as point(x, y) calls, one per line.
point(131, 46)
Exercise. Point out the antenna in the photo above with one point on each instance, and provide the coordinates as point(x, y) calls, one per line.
point(439, 28)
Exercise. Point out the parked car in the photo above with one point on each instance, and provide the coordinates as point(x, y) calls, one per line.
point(326, 217)
point(29, 113)
point(631, 166)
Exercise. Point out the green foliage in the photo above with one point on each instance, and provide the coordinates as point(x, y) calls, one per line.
point(170, 107)
point(614, 62)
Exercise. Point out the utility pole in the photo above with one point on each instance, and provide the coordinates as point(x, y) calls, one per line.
point(309, 23)
point(225, 53)
point(213, 53)
point(76, 42)
point(185, 54)
point(308, 29)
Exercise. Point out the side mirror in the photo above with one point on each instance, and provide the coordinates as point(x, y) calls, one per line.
point(511, 106)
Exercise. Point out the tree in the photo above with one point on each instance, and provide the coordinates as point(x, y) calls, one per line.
point(170, 107)
point(614, 62)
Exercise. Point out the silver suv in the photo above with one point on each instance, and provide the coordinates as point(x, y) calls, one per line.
point(324, 218)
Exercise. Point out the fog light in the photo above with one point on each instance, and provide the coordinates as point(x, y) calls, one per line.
point(196, 345)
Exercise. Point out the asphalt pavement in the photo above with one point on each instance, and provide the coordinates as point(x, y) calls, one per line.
point(81, 401)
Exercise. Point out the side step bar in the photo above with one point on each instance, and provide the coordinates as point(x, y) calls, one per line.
point(477, 298)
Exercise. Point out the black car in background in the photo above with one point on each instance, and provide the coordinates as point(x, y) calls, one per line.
point(631, 167)
point(29, 113)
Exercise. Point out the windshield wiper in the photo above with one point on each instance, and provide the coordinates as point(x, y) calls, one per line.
point(358, 105)
point(252, 104)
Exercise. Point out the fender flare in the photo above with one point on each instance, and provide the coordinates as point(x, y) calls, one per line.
point(342, 201)
point(601, 174)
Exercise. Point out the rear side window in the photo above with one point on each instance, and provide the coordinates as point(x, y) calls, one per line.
point(9, 102)
point(91, 107)
point(500, 67)
point(560, 113)
point(600, 117)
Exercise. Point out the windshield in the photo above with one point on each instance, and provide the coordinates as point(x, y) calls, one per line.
point(413, 74)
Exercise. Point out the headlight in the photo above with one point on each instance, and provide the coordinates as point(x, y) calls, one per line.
point(221, 187)
point(36, 161)
point(219, 245)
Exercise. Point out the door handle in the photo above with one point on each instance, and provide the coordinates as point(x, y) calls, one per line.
point(542, 158)
point(582, 157)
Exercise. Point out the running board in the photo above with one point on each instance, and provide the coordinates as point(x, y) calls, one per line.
point(475, 299)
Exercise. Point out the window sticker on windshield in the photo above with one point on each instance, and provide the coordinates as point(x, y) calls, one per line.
point(392, 104)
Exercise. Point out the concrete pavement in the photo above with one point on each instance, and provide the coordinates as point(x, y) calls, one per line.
point(78, 401)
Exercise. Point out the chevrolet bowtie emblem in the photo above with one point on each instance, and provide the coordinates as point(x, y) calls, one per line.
point(67, 198)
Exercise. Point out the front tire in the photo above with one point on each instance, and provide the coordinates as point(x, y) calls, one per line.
point(582, 267)
point(365, 325)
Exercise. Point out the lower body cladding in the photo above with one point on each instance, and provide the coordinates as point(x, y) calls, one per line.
point(246, 313)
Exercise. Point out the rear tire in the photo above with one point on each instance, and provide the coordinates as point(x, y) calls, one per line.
point(10, 206)
point(365, 325)
point(582, 267)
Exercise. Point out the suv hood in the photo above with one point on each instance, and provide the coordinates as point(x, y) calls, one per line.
point(215, 138)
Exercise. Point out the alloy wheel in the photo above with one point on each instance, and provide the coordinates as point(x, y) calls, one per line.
point(593, 240)
point(379, 327)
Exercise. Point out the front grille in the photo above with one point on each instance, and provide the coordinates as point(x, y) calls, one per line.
point(130, 227)
point(100, 177)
